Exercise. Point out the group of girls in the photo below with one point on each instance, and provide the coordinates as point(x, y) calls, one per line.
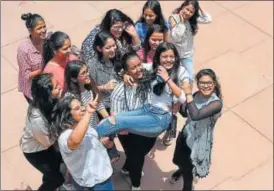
point(126, 81)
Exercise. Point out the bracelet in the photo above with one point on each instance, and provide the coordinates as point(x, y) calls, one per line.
point(188, 94)
point(168, 79)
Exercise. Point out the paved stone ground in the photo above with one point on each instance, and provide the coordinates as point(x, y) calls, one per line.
point(238, 45)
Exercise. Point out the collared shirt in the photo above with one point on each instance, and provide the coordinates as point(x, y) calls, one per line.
point(29, 59)
point(125, 98)
point(89, 164)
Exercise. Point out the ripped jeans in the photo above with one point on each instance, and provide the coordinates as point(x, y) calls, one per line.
point(148, 121)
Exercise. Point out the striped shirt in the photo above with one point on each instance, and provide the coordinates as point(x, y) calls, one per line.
point(86, 96)
point(29, 59)
point(124, 98)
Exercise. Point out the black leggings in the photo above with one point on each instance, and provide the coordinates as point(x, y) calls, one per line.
point(136, 147)
point(182, 159)
point(48, 163)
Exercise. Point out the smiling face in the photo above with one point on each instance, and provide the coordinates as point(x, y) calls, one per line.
point(167, 59)
point(117, 29)
point(77, 110)
point(83, 76)
point(155, 39)
point(109, 49)
point(65, 51)
point(40, 30)
point(134, 67)
point(149, 16)
point(206, 85)
point(187, 11)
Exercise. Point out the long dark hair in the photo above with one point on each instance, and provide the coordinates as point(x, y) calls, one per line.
point(62, 117)
point(155, 6)
point(71, 72)
point(143, 87)
point(211, 73)
point(152, 29)
point(41, 89)
point(52, 44)
point(163, 47)
point(31, 20)
point(113, 16)
point(100, 41)
point(193, 19)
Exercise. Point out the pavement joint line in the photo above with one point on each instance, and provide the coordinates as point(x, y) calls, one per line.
point(249, 97)
point(5, 92)
point(7, 60)
point(252, 169)
point(219, 183)
point(214, 57)
point(245, 20)
point(12, 147)
point(254, 128)
point(254, 45)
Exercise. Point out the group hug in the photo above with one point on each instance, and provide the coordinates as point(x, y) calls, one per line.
point(128, 81)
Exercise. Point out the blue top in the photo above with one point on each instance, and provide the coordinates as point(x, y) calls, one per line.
point(141, 29)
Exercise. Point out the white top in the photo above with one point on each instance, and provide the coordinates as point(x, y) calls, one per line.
point(181, 35)
point(165, 99)
point(89, 164)
point(36, 136)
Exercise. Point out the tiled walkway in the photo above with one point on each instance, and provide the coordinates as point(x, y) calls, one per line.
point(238, 45)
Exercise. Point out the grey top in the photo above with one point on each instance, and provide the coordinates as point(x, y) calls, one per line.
point(199, 132)
point(102, 73)
point(36, 136)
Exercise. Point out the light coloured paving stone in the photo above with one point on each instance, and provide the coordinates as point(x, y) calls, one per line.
point(237, 147)
point(10, 53)
point(261, 57)
point(11, 26)
point(9, 179)
point(13, 112)
point(261, 178)
point(21, 169)
point(134, 11)
point(258, 111)
point(213, 9)
point(232, 5)
point(229, 33)
point(9, 76)
point(238, 78)
point(104, 6)
point(168, 7)
point(74, 12)
point(264, 20)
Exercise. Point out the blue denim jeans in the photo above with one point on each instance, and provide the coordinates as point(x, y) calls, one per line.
point(148, 121)
point(107, 185)
point(188, 64)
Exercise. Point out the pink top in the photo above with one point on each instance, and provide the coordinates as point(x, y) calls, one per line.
point(29, 59)
point(58, 71)
point(150, 55)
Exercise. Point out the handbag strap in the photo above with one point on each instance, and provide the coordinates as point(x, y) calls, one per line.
point(126, 97)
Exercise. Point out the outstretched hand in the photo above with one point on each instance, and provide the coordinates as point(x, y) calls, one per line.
point(92, 105)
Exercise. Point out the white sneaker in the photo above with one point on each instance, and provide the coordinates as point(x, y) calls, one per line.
point(136, 188)
point(126, 172)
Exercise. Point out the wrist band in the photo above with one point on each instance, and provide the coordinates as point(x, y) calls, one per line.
point(168, 79)
point(188, 94)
